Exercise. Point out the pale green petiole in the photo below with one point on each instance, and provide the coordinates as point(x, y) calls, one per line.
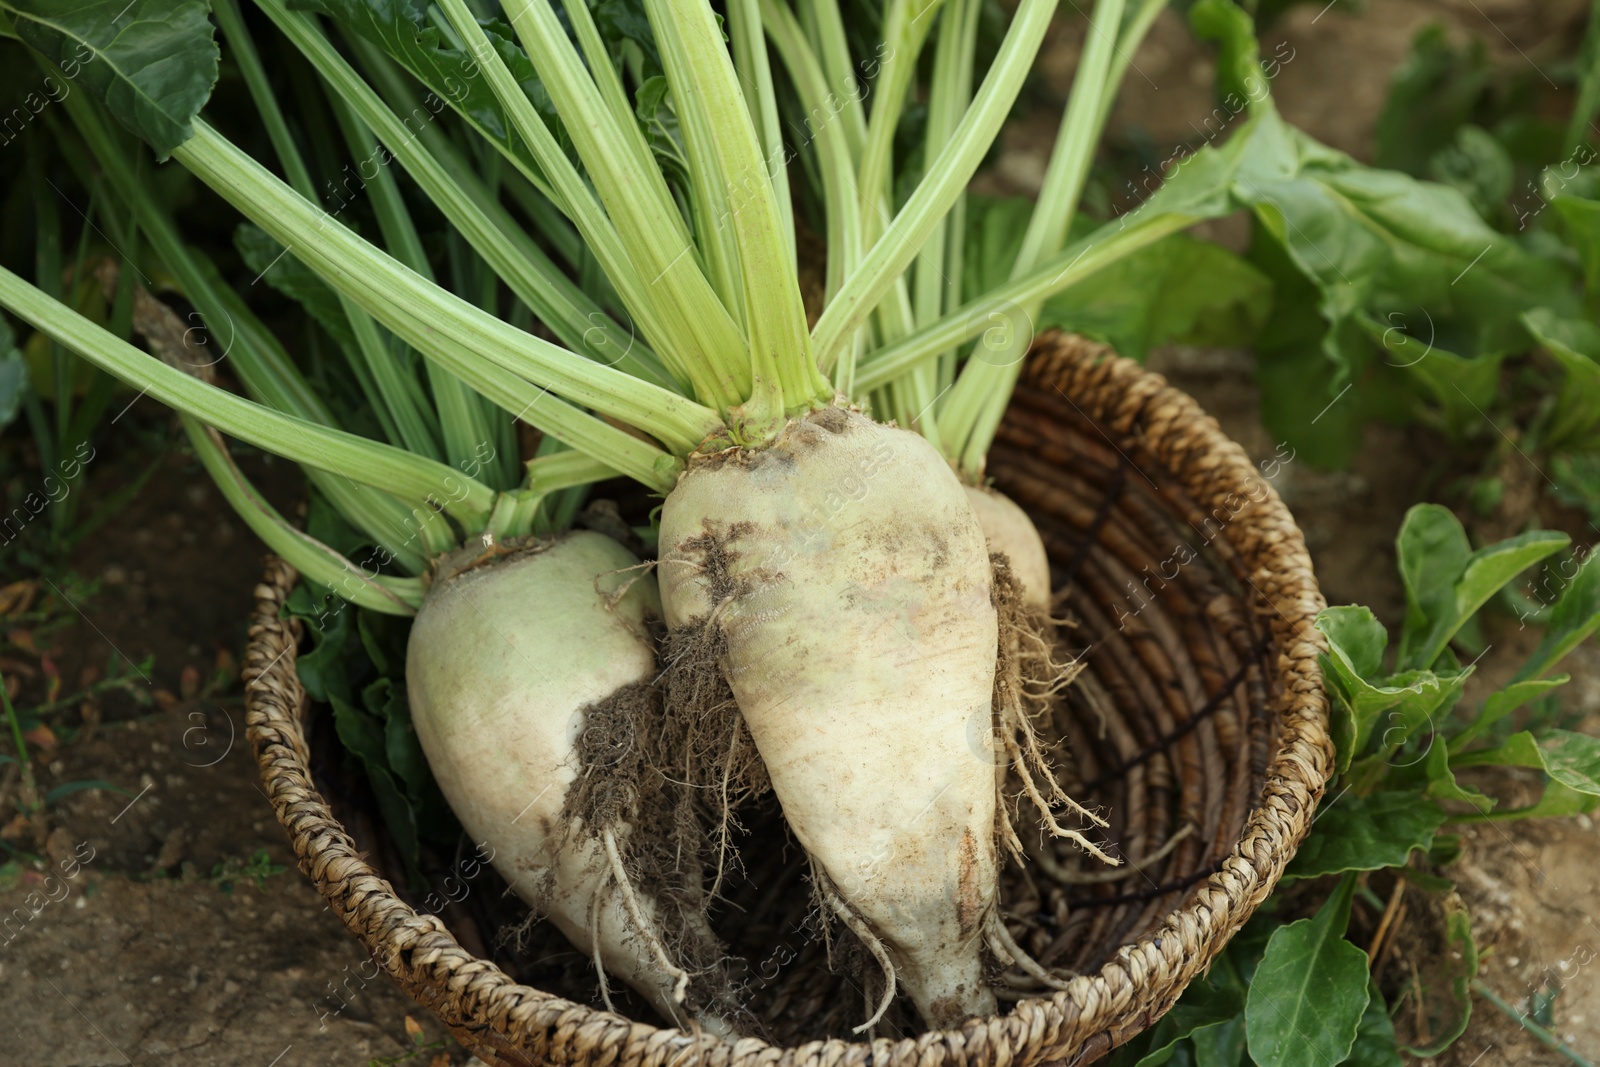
point(831, 140)
point(314, 560)
point(472, 210)
point(444, 327)
point(698, 333)
point(784, 375)
point(824, 28)
point(906, 25)
point(973, 407)
point(997, 309)
point(944, 181)
point(362, 460)
point(755, 79)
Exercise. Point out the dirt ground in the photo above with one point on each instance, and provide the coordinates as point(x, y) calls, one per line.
point(174, 928)
point(177, 929)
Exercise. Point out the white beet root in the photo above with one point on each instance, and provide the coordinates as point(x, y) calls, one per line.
point(502, 660)
point(1008, 530)
point(852, 584)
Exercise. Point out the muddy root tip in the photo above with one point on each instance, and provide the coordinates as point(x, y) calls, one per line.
point(867, 938)
point(643, 927)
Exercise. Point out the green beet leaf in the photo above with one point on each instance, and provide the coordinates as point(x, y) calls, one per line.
point(1574, 343)
point(1575, 616)
point(1375, 1044)
point(1442, 784)
point(1239, 72)
point(1379, 242)
point(1581, 218)
point(1488, 570)
point(1503, 702)
point(1394, 709)
point(1573, 759)
point(151, 62)
point(1433, 550)
point(1557, 802)
point(1446, 583)
point(1220, 1044)
point(1201, 1028)
point(1477, 166)
point(402, 29)
point(1366, 833)
point(268, 259)
point(1432, 94)
point(1358, 636)
point(1179, 289)
point(1461, 388)
point(1202, 1007)
point(1518, 750)
point(363, 735)
point(1308, 996)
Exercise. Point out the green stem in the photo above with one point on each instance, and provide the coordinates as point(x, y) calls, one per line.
point(251, 350)
point(555, 471)
point(784, 375)
point(832, 144)
point(949, 96)
point(606, 77)
point(464, 421)
point(755, 81)
point(263, 367)
point(1540, 1034)
point(395, 387)
point(409, 425)
point(712, 200)
point(313, 559)
point(293, 438)
point(824, 25)
point(472, 209)
point(448, 329)
point(1073, 153)
point(975, 404)
point(700, 335)
point(998, 307)
point(906, 24)
point(945, 180)
point(1137, 25)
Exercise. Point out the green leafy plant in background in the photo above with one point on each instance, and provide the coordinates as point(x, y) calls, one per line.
point(1455, 284)
point(62, 399)
point(1411, 752)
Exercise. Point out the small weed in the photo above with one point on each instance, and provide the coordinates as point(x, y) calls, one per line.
point(414, 1032)
point(257, 869)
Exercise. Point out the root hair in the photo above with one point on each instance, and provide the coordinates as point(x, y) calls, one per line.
point(1027, 680)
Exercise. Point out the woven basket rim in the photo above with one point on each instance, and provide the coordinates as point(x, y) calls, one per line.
point(508, 1023)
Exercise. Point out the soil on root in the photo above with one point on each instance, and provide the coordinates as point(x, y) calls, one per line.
point(665, 766)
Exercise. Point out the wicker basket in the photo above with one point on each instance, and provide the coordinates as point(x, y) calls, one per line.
point(1201, 710)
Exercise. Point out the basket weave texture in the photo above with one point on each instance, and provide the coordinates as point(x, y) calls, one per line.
point(1200, 716)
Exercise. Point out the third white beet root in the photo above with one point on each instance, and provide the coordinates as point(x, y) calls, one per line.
point(1010, 532)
